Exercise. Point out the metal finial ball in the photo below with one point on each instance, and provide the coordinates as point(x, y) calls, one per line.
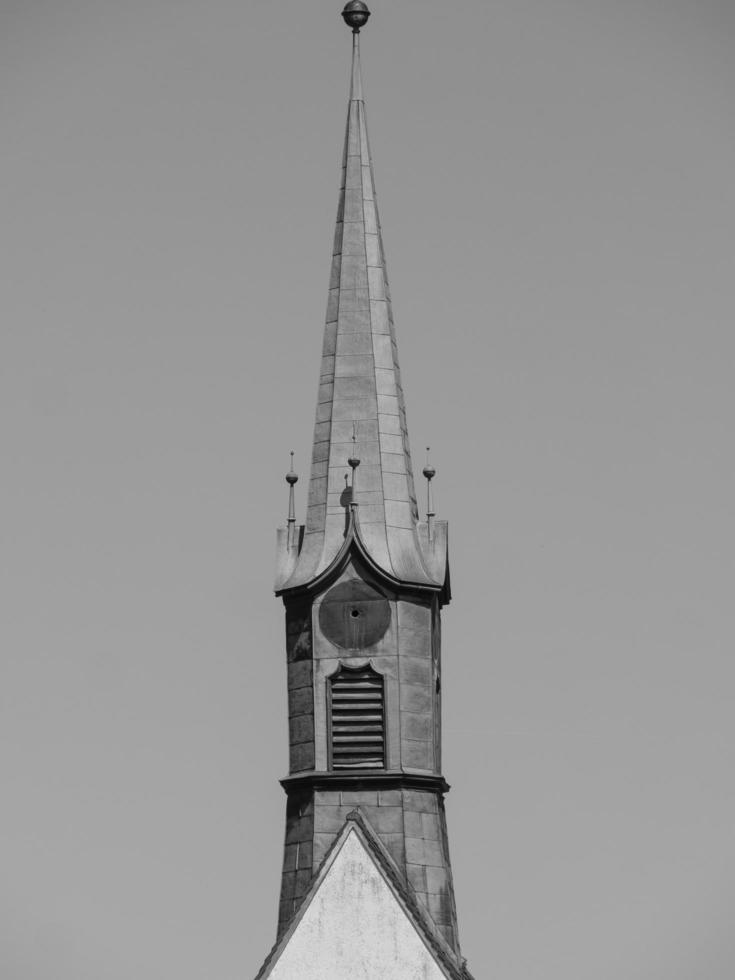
point(355, 15)
point(291, 476)
point(354, 462)
point(429, 472)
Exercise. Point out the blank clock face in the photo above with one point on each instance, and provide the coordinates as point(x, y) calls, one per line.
point(354, 615)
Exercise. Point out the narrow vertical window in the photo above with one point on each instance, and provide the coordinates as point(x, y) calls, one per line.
point(357, 719)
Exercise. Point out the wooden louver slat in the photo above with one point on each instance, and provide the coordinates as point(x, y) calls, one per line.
point(357, 719)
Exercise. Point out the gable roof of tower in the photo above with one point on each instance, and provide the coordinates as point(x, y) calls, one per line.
point(360, 410)
point(387, 897)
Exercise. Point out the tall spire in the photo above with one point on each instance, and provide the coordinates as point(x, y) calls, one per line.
point(360, 389)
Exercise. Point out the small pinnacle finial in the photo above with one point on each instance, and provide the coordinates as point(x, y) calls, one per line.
point(291, 479)
point(355, 15)
point(429, 472)
point(354, 459)
point(354, 462)
point(291, 476)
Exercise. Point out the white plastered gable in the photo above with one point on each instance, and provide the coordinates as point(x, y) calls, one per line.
point(353, 927)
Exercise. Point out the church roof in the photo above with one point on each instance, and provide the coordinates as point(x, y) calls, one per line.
point(361, 414)
point(359, 912)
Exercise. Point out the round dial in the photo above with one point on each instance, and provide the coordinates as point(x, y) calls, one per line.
point(354, 615)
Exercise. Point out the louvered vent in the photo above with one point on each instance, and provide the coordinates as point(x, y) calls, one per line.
point(357, 716)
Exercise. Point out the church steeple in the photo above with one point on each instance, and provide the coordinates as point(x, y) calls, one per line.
point(363, 582)
point(360, 393)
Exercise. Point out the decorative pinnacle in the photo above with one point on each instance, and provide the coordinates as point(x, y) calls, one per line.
point(429, 472)
point(291, 476)
point(354, 459)
point(355, 15)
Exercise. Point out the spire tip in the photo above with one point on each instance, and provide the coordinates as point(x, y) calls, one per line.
point(355, 14)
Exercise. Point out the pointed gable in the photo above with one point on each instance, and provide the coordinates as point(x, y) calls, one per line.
point(357, 921)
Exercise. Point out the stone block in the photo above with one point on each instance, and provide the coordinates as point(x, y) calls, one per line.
point(353, 366)
point(416, 645)
point(383, 353)
point(373, 251)
point(420, 801)
point(353, 173)
point(300, 701)
point(433, 854)
point(354, 321)
point(439, 909)
point(322, 843)
point(319, 469)
point(290, 855)
point(288, 883)
point(370, 216)
point(328, 797)
point(418, 727)
point(332, 305)
point(367, 432)
point(305, 855)
point(299, 829)
point(355, 408)
point(354, 343)
point(352, 300)
point(431, 826)
point(415, 850)
point(329, 819)
point(385, 380)
point(368, 192)
point(416, 755)
point(323, 412)
point(300, 674)
point(413, 616)
point(385, 819)
point(395, 844)
point(353, 239)
point(388, 404)
point(412, 824)
point(353, 204)
point(371, 514)
point(399, 513)
point(321, 450)
point(329, 344)
point(301, 885)
point(379, 320)
point(348, 387)
point(393, 462)
point(416, 698)
point(285, 911)
point(390, 797)
point(416, 670)
point(353, 273)
point(366, 797)
point(301, 728)
point(436, 880)
point(416, 874)
point(391, 425)
point(301, 756)
point(391, 444)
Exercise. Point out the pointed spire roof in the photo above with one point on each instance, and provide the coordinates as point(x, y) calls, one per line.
point(360, 395)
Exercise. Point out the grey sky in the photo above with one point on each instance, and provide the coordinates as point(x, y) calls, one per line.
point(557, 200)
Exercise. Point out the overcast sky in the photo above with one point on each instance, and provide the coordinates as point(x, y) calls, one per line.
point(558, 207)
